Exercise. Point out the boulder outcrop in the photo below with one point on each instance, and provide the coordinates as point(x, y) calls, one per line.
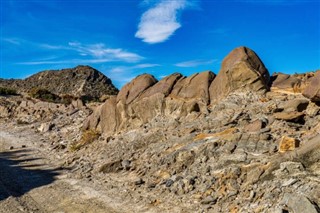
point(242, 69)
point(144, 98)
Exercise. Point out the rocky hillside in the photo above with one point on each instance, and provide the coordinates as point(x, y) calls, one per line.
point(238, 141)
point(81, 81)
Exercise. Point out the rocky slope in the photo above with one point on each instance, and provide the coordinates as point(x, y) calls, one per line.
point(241, 141)
point(81, 81)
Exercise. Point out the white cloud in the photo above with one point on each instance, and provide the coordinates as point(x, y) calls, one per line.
point(194, 63)
point(85, 53)
point(99, 51)
point(160, 22)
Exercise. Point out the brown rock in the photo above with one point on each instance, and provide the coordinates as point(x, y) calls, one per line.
point(136, 87)
point(254, 126)
point(194, 87)
point(93, 121)
point(298, 105)
point(164, 86)
point(313, 90)
point(242, 69)
point(285, 83)
point(288, 144)
point(108, 117)
point(289, 116)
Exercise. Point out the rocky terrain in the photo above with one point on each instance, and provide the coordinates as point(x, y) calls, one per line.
point(238, 141)
point(81, 81)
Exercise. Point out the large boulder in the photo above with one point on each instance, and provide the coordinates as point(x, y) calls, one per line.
point(136, 87)
point(194, 87)
point(312, 91)
point(190, 94)
point(242, 69)
point(164, 86)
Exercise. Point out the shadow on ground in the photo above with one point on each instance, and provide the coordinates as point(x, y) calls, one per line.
point(20, 172)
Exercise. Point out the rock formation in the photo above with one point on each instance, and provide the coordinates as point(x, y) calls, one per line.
point(81, 81)
point(242, 69)
point(285, 83)
point(312, 91)
point(143, 99)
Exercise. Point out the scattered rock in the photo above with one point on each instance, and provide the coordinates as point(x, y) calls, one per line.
point(288, 144)
point(209, 200)
point(45, 127)
point(289, 116)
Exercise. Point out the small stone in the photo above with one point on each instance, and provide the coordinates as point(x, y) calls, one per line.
point(126, 164)
point(11, 148)
point(289, 182)
point(209, 200)
point(139, 182)
point(169, 183)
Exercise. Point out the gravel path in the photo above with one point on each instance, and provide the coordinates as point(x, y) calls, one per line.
point(29, 182)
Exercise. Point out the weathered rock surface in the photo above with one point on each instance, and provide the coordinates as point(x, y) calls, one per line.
point(144, 99)
point(313, 90)
point(81, 81)
point(136, 87)
point(242, 69)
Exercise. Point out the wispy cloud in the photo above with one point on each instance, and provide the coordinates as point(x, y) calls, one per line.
point(160, 22)
point(85, 53)
point(14, 41)
point(194, 63)
point(101, 52)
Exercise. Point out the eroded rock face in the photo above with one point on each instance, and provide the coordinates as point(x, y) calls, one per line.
point(242, 69)
point(313, 90)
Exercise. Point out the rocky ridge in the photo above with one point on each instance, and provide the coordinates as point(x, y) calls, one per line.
point(81, 81)
point(175, 145)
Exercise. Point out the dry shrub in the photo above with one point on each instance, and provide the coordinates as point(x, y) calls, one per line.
point(87, 137)
point(7, 91)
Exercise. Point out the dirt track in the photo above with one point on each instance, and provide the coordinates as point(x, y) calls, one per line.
point(30, 183)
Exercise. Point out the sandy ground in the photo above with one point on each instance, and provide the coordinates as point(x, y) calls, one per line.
point(29, 182)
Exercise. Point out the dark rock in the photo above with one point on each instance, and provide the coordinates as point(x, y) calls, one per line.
point(169, 183)
point(139, 182)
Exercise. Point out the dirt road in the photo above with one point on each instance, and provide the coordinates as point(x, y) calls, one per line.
point(29, 182)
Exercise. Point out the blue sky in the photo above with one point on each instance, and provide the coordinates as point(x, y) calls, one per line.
point(125, 38)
